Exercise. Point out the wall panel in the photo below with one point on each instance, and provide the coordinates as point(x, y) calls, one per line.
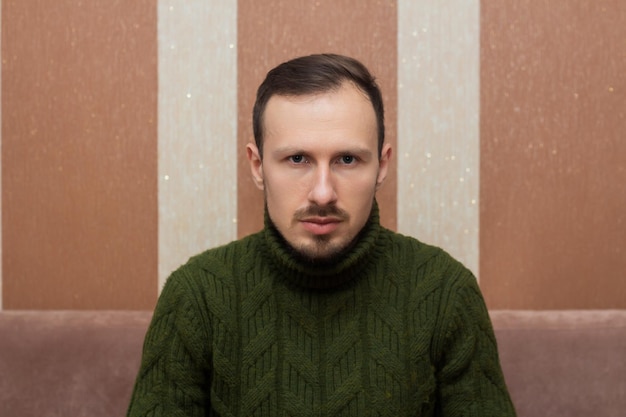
point(79, 213)
point(553, 153)
point(438, 139)
point(197, 129)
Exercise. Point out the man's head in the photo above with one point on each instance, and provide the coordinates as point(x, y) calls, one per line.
point(314, 74)
point(318, 154)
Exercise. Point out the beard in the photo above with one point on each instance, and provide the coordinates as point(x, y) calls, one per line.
point(319, 250)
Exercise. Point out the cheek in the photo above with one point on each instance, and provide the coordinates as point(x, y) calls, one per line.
point(283, 185)
point(283, 192)
point(360, 186)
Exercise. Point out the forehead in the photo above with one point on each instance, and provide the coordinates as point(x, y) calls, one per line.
point(343, 112)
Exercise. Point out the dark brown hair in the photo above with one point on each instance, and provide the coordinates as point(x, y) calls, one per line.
point(316, 74)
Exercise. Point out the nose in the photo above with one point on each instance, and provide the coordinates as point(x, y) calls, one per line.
point(323, 190)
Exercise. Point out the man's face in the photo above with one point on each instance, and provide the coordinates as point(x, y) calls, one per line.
point(320, 168)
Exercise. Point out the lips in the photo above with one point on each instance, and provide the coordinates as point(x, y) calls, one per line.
point(320, 225)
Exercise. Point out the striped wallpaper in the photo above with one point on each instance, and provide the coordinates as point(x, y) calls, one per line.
point(124, 126)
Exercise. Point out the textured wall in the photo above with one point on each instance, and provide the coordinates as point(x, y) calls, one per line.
point(79, 213)
point(197, 128)
point(124, 125)
point(553, 152)
point(438, 145)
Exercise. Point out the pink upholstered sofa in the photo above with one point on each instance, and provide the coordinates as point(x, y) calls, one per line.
point(83, 364)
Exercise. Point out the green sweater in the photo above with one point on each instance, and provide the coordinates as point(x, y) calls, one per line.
point(397, 328)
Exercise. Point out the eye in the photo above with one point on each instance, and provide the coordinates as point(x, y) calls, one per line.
point(297, 159)
point(347, 159)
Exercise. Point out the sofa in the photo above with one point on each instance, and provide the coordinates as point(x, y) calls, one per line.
point(83, 363)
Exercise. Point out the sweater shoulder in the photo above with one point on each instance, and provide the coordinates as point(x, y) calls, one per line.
point(416, 253)
point(424, 270)
point(214, 270)
point(227, 256)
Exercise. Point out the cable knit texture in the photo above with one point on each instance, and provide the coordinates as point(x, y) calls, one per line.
point(396, 328)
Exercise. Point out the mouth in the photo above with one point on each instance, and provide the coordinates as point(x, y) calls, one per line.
point(320, 225)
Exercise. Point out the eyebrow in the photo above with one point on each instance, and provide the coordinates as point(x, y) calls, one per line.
point(294, 150)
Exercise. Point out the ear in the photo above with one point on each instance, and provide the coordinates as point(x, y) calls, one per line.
point(383, 164)
point(256, 165)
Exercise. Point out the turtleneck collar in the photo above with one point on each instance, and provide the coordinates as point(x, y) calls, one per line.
point(292, 268)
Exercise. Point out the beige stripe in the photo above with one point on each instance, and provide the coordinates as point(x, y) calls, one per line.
point(197, 128)
point(438, 131)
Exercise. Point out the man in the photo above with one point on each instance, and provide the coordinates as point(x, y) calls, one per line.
point(324, 312)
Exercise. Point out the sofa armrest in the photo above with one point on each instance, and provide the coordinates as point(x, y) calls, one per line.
point(564, 363)
point(69, 363)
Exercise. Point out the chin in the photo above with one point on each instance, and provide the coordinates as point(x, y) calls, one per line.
point(322, 250)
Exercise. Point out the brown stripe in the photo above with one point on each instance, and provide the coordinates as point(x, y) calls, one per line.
point(79, 143)
point(274, 31)
point(553, 103)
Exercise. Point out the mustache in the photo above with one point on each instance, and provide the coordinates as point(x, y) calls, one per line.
point(321, 211)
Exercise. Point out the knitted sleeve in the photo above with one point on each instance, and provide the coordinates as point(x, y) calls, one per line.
point(470, 379)
point(173, 376)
